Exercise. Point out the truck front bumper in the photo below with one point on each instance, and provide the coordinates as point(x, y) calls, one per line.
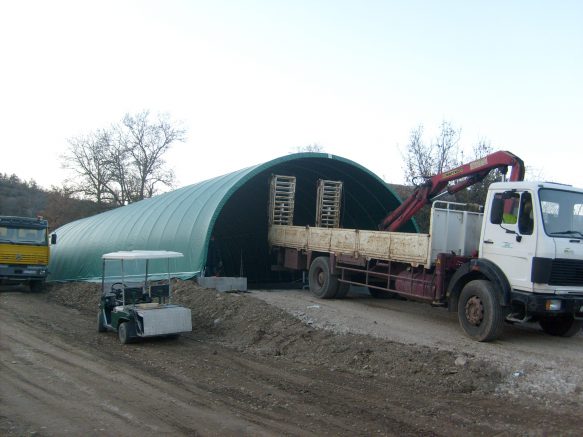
point(546, 304)
point(17, 272)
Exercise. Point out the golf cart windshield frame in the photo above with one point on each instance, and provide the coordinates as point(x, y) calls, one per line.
point(144, 255)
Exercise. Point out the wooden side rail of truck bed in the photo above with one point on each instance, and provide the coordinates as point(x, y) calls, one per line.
point(414, 249)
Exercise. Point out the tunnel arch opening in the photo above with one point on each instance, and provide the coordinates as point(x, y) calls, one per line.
point(240, 229)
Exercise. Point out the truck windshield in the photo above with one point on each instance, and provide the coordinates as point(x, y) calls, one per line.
point(562, 213)
point(22, 235)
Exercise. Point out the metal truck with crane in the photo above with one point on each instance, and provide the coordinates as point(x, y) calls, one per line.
point(24, 251)
point(518, 260)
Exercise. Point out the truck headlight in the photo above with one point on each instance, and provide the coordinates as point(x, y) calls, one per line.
point(553, 305)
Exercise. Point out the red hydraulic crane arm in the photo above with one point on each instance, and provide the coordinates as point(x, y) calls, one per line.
point(471, 174)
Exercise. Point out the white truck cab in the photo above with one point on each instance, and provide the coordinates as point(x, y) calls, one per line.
point(533, 232)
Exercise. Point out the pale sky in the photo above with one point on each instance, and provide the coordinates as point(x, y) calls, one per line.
point(253, 80)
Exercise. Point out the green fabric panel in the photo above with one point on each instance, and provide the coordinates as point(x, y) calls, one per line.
point(233, 207)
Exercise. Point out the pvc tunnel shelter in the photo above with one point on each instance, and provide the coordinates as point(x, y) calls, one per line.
point(231, 208)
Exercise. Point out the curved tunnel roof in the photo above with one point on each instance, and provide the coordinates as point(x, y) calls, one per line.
point(232, 208)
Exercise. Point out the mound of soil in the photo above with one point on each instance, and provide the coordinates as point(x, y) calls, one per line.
point(251, 326)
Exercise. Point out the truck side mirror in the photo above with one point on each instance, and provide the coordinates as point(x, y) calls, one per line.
point(497, 210)
point(508, 195)
point(53, 238)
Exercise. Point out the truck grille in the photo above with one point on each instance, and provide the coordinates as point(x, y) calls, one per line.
point(566, 272)
point(25, 255)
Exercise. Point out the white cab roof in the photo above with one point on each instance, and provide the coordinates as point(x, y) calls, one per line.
point(142, 254)
point(534, 186)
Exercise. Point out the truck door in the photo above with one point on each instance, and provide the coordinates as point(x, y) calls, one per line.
point(509, 237)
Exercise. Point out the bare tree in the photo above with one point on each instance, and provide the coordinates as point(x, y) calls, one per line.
point(120, 189)
point(423, 160)
point(477, 193)
point(125, 163)
point(418, 157)
point(310, 148)
point(446, 147)
point(88, 158)
point(146, 143)
point(534, 174)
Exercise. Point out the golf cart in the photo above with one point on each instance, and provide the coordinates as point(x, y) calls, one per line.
point(135, 298)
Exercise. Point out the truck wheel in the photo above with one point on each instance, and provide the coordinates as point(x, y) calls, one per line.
point(100, 322)
point(479, 311)
point(561, 326)
point(322, 283)
point(123, 333)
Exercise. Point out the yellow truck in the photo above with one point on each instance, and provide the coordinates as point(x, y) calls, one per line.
point(24, 251)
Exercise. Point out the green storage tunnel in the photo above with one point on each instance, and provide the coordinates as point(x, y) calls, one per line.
point(231, 208)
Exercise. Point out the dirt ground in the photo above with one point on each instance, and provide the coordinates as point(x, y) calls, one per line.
point(278, 363)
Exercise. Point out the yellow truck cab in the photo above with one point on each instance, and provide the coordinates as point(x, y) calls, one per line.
point(24, 251)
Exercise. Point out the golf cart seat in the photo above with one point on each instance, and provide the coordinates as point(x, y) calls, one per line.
point(162, 292)
point(133, 295)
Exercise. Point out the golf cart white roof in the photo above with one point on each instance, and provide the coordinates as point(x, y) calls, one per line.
point(141, 254)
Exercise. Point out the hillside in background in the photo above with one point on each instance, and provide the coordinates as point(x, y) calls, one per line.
point(27, 199)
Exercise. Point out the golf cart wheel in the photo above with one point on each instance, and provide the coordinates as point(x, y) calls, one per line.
point(123, 332)
point(479, 311)
point(561, 326)
point(100, 322)
point(322, 283)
